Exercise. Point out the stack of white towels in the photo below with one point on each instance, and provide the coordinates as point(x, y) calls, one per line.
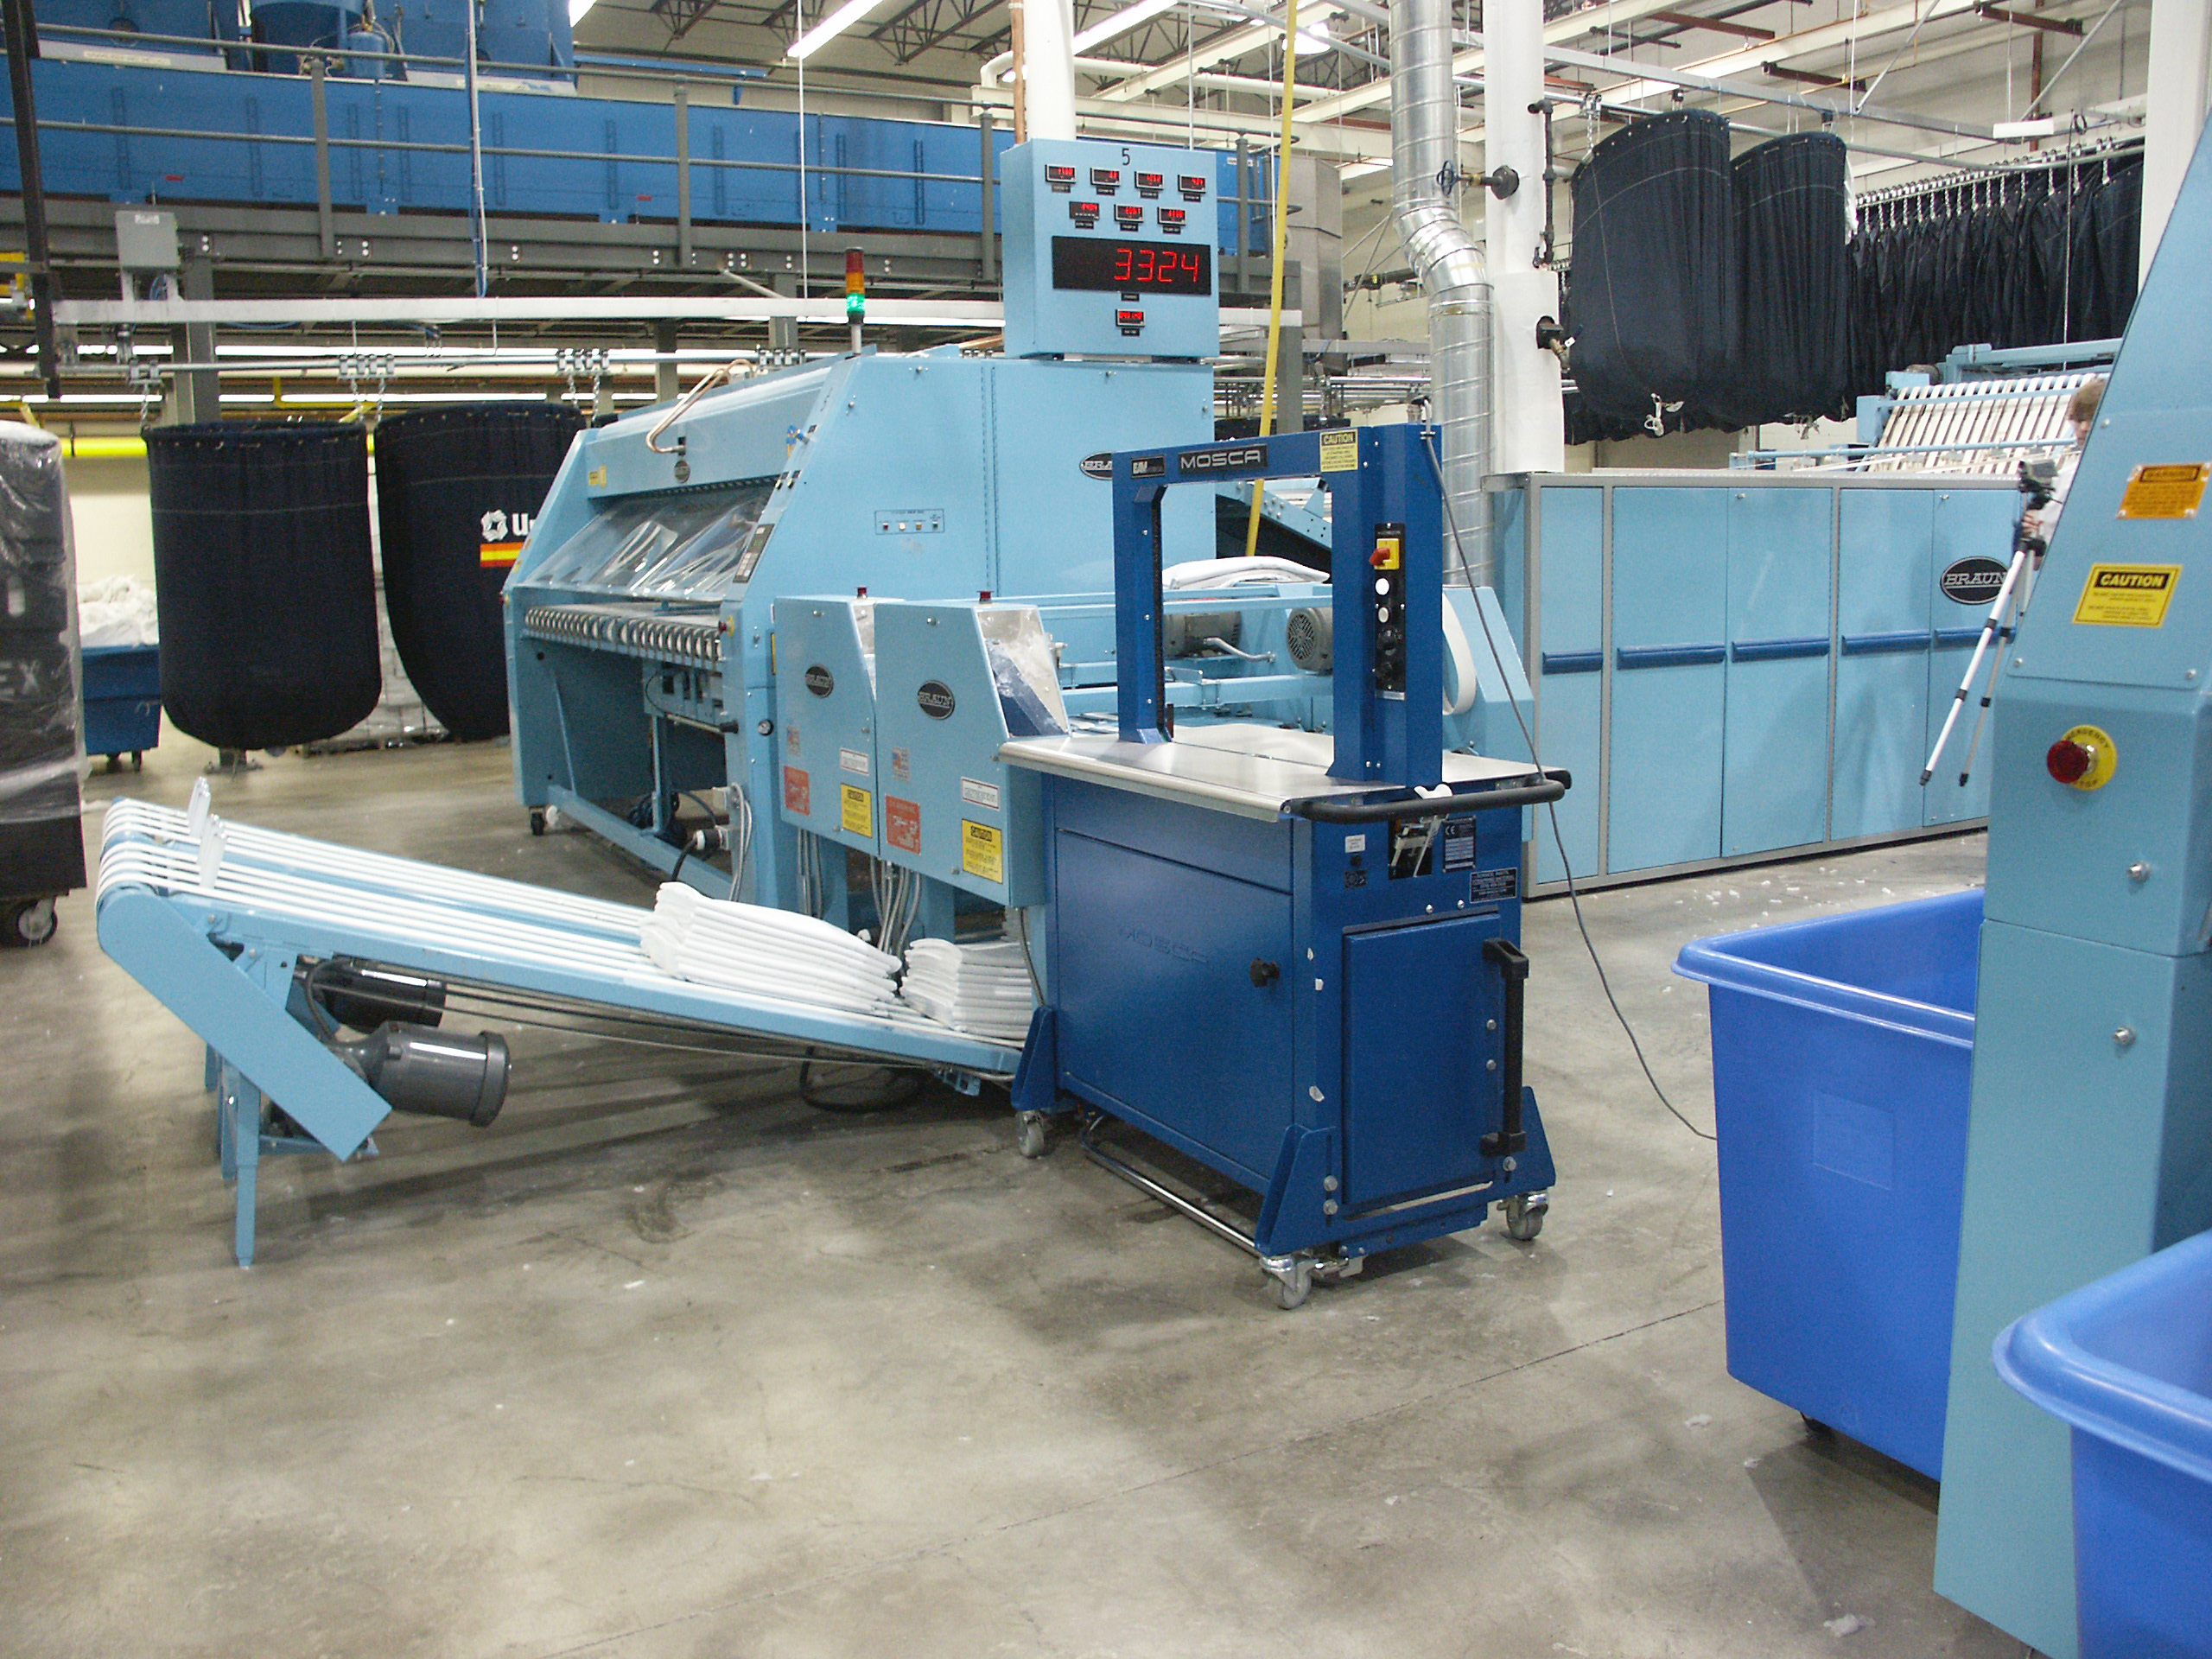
point(766, 952)
point(983, 990)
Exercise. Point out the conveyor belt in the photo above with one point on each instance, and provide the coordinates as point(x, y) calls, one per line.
point(643, 631)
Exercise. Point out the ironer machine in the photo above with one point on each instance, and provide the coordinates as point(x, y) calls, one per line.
point(934, 647)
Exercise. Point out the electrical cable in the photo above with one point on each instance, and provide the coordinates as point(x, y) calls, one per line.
point(1551, 809)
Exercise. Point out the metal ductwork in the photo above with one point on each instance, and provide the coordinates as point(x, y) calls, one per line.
point(1425, 158)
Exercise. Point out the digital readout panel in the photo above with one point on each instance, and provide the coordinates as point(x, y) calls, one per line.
point(1109, 265)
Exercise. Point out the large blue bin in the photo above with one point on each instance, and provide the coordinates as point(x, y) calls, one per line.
point(2127, 1363)
point(122, 700)
point(1842, 1052)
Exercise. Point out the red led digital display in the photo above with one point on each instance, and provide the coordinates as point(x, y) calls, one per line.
point(1150, 181)
point(1191, 184)
point(1112, 265)
point(1105, 178)
point(1060, 175)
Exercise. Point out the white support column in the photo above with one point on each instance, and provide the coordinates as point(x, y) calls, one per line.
point(1526, 421)
point(2181, 32)
point(1048, 52)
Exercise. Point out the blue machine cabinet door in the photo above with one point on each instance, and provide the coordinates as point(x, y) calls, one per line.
point(1415, 1112)
point(1881, 687)
point(1781, 583)
point(1664, 776)
point(1568, 671)
point(1969, 523)
point(1160, 1013)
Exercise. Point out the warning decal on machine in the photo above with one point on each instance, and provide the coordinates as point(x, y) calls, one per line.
point(1340, 451)
point(983, 850)
point(902, 823)
point(853, 760)
point(2127, 595)
point(798, 792)
point(857, 816)
point(980, 794)
point(2173, 491)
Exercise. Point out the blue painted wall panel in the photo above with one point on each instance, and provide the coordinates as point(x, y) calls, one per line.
point(1881, 712)
point(1664, 776)
point(1781, 581)
point(1570, 593)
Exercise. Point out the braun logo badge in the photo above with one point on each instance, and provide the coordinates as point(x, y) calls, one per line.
point(1972, 581)
point(1098, 466)
point(819, 680)
point(1221, 461)
point(935, 698)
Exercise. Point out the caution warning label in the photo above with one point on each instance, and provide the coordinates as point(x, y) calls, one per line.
point(2171, 490)
point(902, 823)
point(856, 816)
point(983, 850)
point(798, 792)
point(2127, 595)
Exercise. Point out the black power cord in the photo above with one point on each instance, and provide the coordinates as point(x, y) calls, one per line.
point(1551, 810)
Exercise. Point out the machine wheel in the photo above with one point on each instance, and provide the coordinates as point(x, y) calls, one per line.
point(1033, 1137)
point(27, 922)
point(1289, 1282)
point(1524, 1215)
point(537, 820)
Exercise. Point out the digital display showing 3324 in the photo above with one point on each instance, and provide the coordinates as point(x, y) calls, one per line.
point(1132, 267)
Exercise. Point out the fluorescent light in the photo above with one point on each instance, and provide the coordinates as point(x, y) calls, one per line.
point(1121, 22)
point(1307, 42)
point(830, 27)
point(2046, 127)
point(576, 10)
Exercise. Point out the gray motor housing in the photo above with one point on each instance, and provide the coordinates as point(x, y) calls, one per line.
point(434, 1073)
point(1311, 635)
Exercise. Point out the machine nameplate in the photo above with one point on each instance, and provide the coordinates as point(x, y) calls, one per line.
point(853, 760)
point(935, 698)
point(1459, 843)
point(1148, 466)
point(983, 850)
point(798, 792)
point(2127, 595)
point(856, 813)
point(1100, 466)
point(976, 793)
point(1207, 463)
point(1972, 582)
point(1494, 884)
point(1340, 451)
point(902, 823)
point(820, 681)
point(2171, 490)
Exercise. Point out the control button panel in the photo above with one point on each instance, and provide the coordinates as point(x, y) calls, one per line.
point(1388, 561)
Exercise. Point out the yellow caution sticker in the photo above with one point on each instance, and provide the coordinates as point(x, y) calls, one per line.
point(2173, 490)
point(856, 815)
point(1340, 450)
point(596, 478)
point(2127, 595)
point(983, 850)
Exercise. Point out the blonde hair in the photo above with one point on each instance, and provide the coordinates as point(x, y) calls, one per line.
point(2087, 396)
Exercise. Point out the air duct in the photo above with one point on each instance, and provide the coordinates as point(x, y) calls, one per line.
point(1425, 159)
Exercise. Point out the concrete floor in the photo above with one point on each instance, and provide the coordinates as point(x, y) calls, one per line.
point(668, 1362)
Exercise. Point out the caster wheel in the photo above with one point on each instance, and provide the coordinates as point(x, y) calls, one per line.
point(1289, 1283)
point(1032, 1138)
point(28, 922)
point(537, 820)
point(1524, 1215)
point(114, 764)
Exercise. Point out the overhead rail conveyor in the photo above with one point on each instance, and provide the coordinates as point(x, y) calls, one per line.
point(262, 942)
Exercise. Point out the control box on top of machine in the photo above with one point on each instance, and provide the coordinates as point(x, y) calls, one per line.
point(1110, 251)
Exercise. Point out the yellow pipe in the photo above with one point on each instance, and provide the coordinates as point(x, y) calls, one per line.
point(1281, 250)
point(75, 449)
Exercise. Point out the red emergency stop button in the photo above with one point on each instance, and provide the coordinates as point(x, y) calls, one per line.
point(2084, 758)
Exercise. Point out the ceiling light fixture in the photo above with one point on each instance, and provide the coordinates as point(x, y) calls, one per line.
point(830, 27)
